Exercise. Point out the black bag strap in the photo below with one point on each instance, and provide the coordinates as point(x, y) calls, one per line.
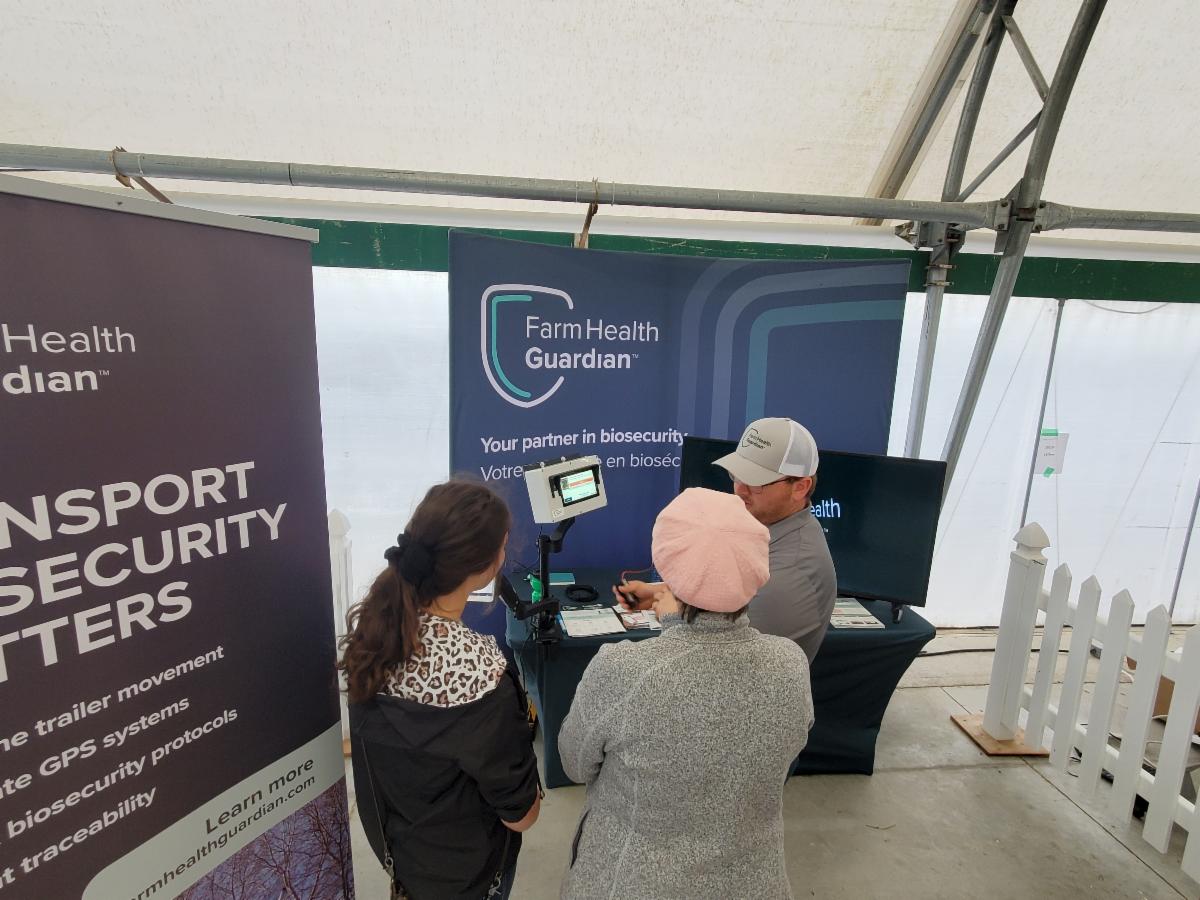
point(389, 864)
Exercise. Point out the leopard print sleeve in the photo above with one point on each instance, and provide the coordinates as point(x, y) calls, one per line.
point(454, 666)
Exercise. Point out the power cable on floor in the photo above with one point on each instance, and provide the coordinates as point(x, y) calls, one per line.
point(974, 650)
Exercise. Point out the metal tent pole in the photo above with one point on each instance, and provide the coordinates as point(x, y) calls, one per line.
point(54, 159)
point(923, 373)
point(1058, 315)
point(1055, 215)
point(25, 158)
point(1028, 196)
point(927, 106)
point(980, 79)
point(1187, 542)
point(943, 255)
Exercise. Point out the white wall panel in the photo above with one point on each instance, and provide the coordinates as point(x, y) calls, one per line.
point(383, 351)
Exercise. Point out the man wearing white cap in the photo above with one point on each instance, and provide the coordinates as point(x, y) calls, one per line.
point(774, 472)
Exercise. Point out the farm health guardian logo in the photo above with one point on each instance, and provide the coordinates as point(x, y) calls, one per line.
point(42, 346)
point(529, 335)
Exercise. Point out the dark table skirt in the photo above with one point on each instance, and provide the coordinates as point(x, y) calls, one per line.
point(853, 679)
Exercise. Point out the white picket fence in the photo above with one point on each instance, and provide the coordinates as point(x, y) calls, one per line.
point(343, 588)
point(1010, 702)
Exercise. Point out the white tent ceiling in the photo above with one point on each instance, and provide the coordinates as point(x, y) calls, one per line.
point(774, 95)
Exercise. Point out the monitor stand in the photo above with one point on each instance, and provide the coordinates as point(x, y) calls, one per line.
point(546, 624)
point(547, 544)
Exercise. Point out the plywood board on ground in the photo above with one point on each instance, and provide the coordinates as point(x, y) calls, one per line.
point(973, 726)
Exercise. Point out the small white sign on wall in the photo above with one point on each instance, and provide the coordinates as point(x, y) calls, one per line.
point(1052, 451)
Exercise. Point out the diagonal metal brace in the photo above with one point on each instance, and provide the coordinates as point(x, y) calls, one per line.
point(1031, 66)
point(1004, 154)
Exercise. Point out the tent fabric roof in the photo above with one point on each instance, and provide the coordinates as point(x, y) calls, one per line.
point(775, 95)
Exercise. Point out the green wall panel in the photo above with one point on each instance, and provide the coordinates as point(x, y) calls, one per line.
point(380, 245)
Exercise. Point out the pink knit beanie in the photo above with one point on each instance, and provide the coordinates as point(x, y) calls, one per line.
point(710, 551)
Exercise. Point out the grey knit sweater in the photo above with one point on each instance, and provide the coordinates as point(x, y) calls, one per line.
point(684, 743)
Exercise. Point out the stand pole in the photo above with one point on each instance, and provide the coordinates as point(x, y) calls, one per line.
point(1042, 413)
point(1187, 542)
point(547, 629)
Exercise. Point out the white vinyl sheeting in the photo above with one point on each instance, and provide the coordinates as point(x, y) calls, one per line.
point(1126, 389)
point(775, 95)
point(383, 350)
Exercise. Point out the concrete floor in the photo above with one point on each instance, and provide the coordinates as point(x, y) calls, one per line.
point(938, 819)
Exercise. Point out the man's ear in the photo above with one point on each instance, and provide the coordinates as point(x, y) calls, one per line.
point(801, 488)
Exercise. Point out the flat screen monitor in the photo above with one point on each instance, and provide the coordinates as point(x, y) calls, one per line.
point(879, 514)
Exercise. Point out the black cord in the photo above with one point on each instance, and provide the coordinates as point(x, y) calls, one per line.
point(974, 650)
point(582, 593)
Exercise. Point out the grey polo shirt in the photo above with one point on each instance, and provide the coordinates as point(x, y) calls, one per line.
point(797, 601)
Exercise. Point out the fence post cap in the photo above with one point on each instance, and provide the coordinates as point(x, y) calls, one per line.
point(1032, 540)
point(339, 525)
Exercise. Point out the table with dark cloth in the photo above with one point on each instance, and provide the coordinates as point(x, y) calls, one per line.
point(853, 679)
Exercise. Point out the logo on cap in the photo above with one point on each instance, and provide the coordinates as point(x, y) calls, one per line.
point(753, 439)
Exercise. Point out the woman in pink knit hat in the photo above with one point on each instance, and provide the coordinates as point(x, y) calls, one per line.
point(684, 741)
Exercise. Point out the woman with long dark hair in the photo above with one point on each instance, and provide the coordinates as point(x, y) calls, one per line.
point(444, 769)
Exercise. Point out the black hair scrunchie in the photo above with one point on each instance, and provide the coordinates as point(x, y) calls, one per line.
point(411, 559)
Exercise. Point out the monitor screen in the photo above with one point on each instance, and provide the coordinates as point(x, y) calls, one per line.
point(575, 487)
point(696, 468)
point(879, 514)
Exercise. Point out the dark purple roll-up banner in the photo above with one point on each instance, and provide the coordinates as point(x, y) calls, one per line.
point(168, 713)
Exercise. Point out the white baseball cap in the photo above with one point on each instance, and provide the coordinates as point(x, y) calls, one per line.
point(771, 449)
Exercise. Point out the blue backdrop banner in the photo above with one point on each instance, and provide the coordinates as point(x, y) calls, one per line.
point(556, 351)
